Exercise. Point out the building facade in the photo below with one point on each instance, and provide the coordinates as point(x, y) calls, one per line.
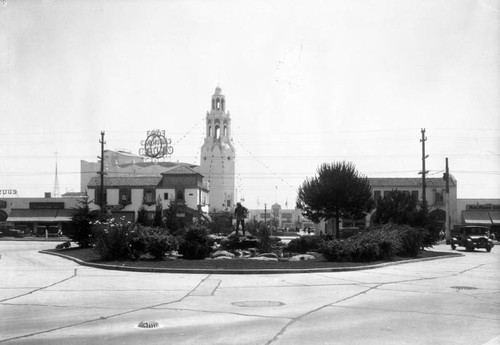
point(484, 212)
point(280, 218)
point(442, 206)
point(34, 214)
point(124, 196)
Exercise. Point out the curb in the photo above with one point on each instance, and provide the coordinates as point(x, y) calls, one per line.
point(245, 271)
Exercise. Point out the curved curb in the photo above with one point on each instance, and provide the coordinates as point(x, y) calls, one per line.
point(244, 271)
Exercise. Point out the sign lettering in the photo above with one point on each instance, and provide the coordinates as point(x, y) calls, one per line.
point(156, 145)
point(8, 191)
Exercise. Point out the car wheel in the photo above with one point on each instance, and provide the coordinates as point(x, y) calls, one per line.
point(469, 247)
point(453, 246)
point(488, 248)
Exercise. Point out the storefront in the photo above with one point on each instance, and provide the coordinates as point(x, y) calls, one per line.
point(34, 215)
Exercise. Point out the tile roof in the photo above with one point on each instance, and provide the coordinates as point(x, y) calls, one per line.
point(125, 181)
point(406, 182)
point(180, 170)
point(162, 164)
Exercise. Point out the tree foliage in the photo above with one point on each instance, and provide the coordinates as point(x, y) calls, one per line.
point(338, 191)
point(81, 222)
point(396, 207)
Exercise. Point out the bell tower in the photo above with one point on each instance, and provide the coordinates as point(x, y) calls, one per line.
point(217, 155)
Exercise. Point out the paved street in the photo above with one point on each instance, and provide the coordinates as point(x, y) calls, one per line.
point(49, 300)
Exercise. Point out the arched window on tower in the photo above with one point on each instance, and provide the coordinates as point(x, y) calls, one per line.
point(222, 103)
point(225, 131)
point(209, 131)
point(217, 104)
point(213, 104)
point(217, 132)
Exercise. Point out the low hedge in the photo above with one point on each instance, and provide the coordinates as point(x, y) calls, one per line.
point(381, 243)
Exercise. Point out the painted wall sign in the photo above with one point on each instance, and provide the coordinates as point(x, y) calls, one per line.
point(483, 207)
point(156, 144)
point(8, 191)
point(46, 205)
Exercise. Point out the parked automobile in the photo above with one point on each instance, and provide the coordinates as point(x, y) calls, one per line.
point(472, 237)
point(9, 231)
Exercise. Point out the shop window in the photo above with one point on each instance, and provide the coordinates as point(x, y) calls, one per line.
point(180, 195)
point(438, 197)
point(149, 196)
point(165, 196)
point(414, 193)
point(377, 195)
point(386, 193)
point(125, 196)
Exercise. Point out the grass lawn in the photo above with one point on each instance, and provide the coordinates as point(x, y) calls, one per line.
point(91, 256)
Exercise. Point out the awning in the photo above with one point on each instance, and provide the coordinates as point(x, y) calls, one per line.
point(479, 217)
point(495, 217)
point(40, 215)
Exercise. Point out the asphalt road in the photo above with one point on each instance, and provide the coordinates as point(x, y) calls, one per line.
point(49, 300)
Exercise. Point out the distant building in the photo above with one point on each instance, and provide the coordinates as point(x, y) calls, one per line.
point(280, 218)
point(112, 161)
point(125, 195)
point(480, 212)
point(442, 207)
point(217, 164)
point(31, 214)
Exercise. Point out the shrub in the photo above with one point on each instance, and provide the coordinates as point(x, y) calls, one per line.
point(196, 245)
point(112, 238)
point(360, 249)
point(407, 240)
point(304, 244)
point(332, 250)
point(412, 241)
point(157, 242)
point(266, 242)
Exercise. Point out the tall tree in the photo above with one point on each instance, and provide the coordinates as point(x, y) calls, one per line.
point(399, 207)
point(338, 191)
point(81, 222)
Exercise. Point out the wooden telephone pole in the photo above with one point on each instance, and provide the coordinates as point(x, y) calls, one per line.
point(424, 172)
point(101, 191)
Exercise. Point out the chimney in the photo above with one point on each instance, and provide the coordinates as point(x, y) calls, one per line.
point(47, 195)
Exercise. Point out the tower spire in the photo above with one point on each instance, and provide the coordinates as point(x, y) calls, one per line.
point(55, 192)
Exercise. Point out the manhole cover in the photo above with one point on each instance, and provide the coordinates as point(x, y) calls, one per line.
point(148, 324)
point(463, 288)
point(258, 304)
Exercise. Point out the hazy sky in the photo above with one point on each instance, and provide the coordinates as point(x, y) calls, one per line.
point(306, 82)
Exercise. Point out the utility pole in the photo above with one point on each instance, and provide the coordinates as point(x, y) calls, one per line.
point(103, 202)
point(446, 177)
point(265, 216)
point(424, 172)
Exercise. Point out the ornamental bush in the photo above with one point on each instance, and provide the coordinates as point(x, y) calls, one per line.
point(111, 238)
point(157, 242)
point(373, 245)
point(195, 245)
point(304, 244)
point(332, 250)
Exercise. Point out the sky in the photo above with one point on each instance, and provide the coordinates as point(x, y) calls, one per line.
point(306, 83)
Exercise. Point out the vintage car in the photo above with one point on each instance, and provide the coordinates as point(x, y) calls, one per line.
point(472, 237)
